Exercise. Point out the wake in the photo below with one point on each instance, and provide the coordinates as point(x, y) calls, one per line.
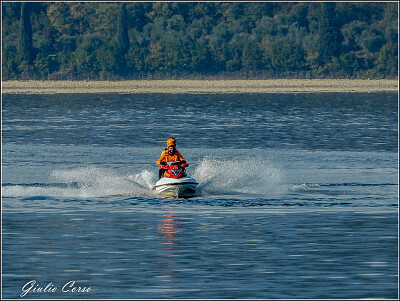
point(216, 177)
point(250, 177)
point(84, 182)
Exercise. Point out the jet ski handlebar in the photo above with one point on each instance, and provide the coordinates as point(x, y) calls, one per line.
point(176, 163)
point(173, 163)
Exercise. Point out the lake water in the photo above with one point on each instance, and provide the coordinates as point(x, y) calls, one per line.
point(298, 196)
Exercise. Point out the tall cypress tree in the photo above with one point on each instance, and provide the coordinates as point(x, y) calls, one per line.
point(329, 33)
point(25, 48)
point(122, 30)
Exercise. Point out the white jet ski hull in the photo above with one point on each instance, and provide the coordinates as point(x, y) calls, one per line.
point(178, 188)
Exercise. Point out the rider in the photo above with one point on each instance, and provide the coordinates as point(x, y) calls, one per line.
point(170, 154)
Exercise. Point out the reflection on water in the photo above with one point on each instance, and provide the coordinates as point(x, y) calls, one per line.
point(168, 228)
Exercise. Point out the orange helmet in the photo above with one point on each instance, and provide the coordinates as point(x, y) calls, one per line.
point(171, 141)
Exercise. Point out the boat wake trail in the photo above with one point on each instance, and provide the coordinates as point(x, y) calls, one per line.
point(99, 182)
point(250, 177)
point(85, 182)
point(217, 177)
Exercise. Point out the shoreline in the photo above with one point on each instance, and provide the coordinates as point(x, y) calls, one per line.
point(199, 86)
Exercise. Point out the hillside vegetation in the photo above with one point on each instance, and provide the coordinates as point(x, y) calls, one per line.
point(166, 40)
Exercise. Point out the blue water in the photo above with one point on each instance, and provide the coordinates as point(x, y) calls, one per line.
point(298, 196)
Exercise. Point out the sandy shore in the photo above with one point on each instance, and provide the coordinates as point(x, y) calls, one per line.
point(200, 86)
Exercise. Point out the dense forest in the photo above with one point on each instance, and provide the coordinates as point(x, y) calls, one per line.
point(161, 40)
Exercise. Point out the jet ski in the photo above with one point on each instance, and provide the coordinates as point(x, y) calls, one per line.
point(175, 182)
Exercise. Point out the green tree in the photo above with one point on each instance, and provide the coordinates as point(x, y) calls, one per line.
point(85, 59)
point(25, 34)
point(372, 40)
point(283, 56)
point(351, 35)
point(71, 18)
point(349, 63)
point(103, 19)
point(155, 60)
point(112, 66)
point(251, 57)
point(10, 62)
point(160, 9)
point(329, 35)
point(136, 58)
point(136, 14)
point(122, 31)
point(387, 63)
point(45, 65)
point(201, 57)
point(60, 18)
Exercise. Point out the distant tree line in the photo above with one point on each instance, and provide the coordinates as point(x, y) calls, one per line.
point(131, 40)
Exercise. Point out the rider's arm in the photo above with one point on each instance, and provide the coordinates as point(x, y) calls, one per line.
point(180, 157)
point(161, 159)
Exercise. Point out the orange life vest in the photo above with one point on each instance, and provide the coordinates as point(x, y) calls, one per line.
point(166, 157)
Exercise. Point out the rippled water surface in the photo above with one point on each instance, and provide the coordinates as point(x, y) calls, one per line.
point(298, 196)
